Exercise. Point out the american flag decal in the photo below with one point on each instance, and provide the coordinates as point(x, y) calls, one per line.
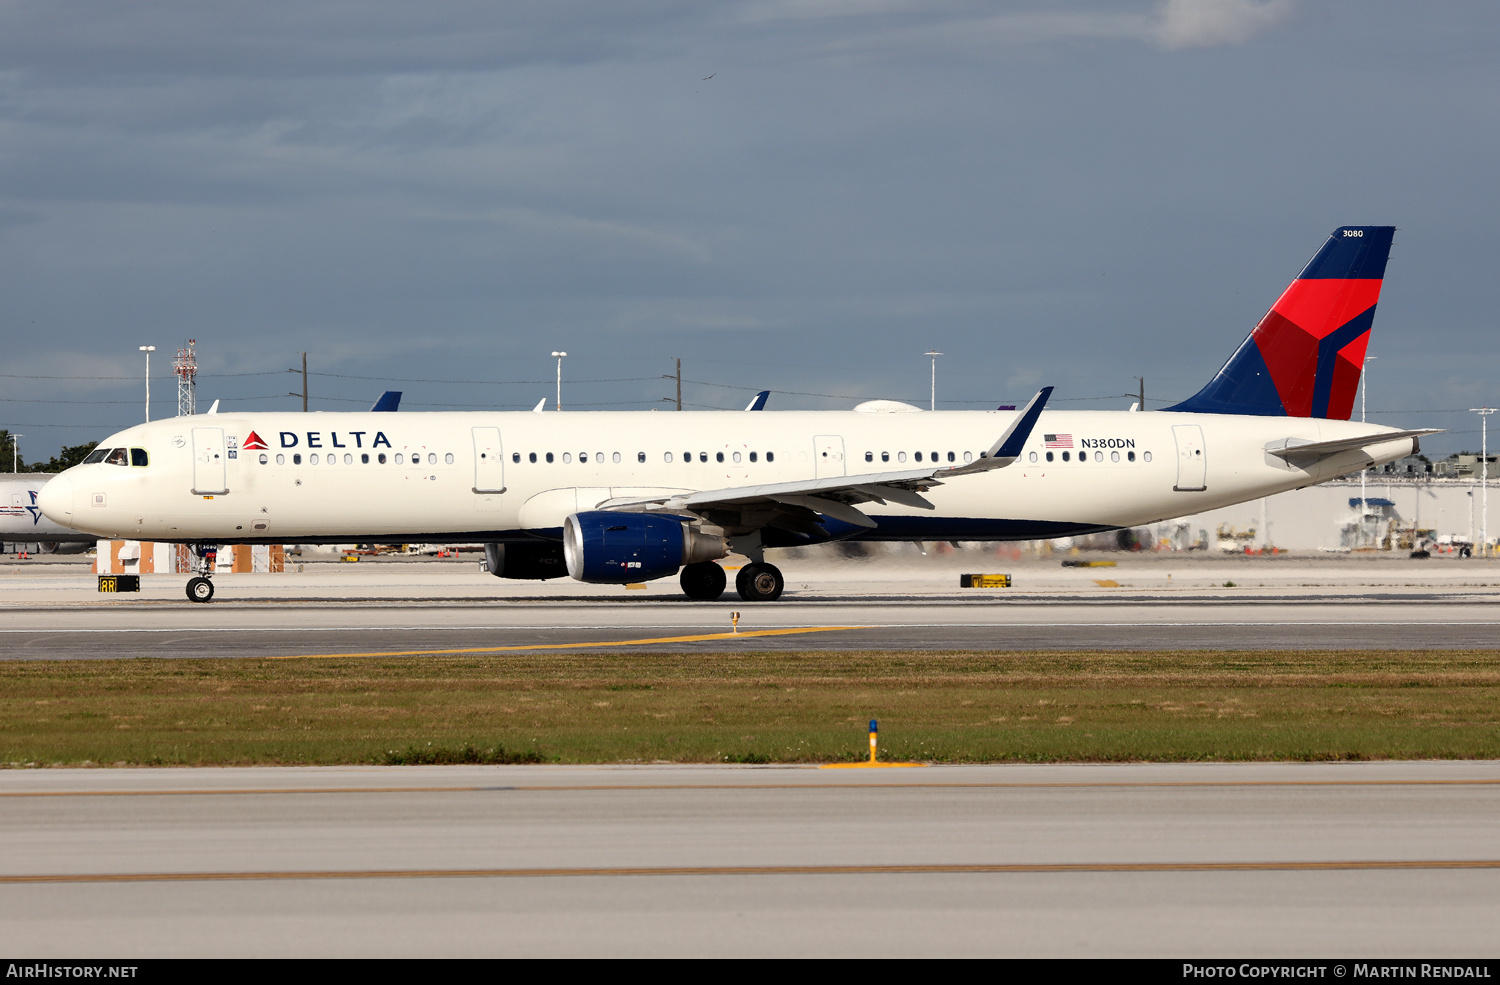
point(1057, 441)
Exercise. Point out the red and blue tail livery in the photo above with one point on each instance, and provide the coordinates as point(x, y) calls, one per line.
point(1305, 357)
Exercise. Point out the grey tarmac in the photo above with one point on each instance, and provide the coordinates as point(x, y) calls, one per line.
point(1366, 859)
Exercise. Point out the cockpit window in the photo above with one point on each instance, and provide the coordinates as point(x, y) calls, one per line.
point(138, 457)
point(117, 457)
point(95, 456)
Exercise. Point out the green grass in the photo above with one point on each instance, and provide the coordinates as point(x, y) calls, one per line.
point(754, 708)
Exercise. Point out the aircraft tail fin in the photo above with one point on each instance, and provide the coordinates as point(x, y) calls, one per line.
point(1305, 357)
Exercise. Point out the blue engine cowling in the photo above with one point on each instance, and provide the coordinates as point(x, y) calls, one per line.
point(616, 548)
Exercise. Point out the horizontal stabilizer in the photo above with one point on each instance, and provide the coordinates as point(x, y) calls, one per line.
point(1323, 449)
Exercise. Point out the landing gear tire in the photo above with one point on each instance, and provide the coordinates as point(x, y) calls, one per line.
point(759, 583)
point(704, 581)
point(200, 590)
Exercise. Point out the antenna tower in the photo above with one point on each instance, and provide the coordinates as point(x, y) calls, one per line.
point(186, 368)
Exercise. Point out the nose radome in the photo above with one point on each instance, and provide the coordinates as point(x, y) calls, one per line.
point(56, 500)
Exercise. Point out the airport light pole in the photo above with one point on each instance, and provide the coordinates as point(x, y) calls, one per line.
point(148, 349)
point(15, 452)
point(559, 357)
point(933, 354)
point(1484, 476)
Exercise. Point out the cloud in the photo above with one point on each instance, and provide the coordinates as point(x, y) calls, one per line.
point(1211, 23)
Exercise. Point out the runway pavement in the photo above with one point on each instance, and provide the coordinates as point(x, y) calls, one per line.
point(52, 611)
point(1356, 860)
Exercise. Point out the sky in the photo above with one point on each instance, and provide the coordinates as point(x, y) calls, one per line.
point(796, 195)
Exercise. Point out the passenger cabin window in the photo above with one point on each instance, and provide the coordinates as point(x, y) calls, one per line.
point(515, 456)
point(138, 457)
point(667, 457)
point(770, 456)
point(263, 458)
point(752, 456)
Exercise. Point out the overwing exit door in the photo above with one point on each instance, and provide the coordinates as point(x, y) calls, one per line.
point(828, 455)
point(489, 468)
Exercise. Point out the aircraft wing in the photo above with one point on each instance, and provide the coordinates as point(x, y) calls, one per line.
point(793, 504)
point(1315, 450)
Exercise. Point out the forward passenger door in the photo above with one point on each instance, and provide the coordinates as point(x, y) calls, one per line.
point(209, 465)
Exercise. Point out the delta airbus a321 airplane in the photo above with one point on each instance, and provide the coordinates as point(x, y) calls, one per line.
point(619, 497)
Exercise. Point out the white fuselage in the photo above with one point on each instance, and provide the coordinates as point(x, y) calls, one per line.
point(436, 476)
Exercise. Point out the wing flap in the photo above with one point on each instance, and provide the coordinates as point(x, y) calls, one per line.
point(837, 496)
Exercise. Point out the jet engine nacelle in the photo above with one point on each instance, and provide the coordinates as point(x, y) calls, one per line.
point(615, 548)
point(534, 561)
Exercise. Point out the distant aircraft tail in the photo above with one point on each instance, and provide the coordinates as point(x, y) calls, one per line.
point(1305, 357)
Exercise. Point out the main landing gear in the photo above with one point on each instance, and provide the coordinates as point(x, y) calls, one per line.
point(756, 582)
point(200, 588)
point(759, 582)
point(704, 581)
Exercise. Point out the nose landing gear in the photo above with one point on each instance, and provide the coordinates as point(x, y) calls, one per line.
point(200, 588)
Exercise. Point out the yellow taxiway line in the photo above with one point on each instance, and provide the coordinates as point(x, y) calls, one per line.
point(755, 870)
point(699, 638)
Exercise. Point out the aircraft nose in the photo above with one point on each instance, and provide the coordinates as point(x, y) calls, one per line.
point(56, 500)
